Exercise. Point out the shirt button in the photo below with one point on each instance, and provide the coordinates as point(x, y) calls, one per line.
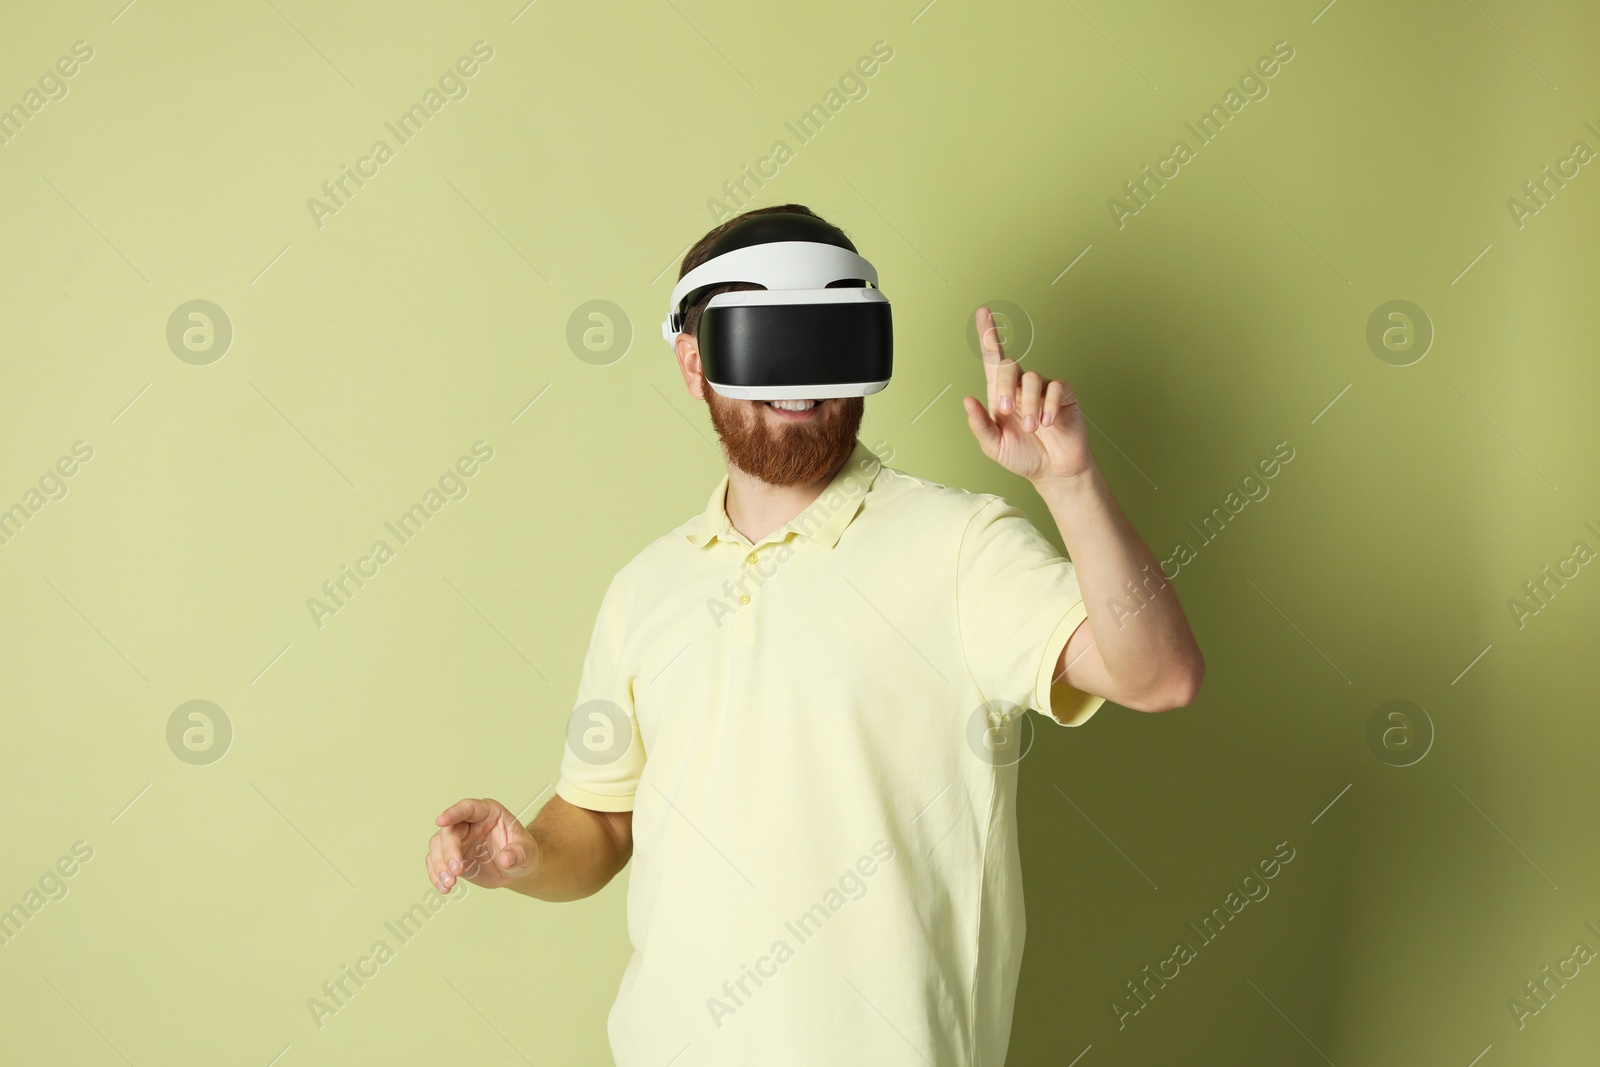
point(751, 559)
point(745, 599)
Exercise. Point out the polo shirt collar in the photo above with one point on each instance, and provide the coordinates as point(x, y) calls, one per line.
point(823, 521)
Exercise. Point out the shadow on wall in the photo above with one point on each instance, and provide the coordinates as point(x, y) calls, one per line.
point(1171, 859)
point(1421, 904)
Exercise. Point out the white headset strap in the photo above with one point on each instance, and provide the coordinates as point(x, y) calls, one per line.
point(776, 265)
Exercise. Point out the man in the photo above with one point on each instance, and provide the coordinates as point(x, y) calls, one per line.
point(800, 717)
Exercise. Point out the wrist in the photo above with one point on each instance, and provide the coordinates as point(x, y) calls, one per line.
point(1068, 484)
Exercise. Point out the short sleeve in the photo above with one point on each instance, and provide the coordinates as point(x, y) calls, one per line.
point(1017, 604)
point(603, 755)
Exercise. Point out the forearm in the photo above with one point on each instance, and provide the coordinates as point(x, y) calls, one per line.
point(1139, 628)
point(578, 851)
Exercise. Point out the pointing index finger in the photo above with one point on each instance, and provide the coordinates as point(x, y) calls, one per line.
point(998, 369)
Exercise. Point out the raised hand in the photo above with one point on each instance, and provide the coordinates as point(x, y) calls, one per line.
point(1032, 425)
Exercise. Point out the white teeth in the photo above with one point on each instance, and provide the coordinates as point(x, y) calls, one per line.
point(793, 405)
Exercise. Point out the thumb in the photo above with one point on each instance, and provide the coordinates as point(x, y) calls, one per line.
point(515, 856)
point(982, 426)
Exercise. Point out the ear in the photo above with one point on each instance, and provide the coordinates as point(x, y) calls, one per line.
point(688, 349)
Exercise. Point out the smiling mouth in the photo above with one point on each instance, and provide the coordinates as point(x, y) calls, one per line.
point(795, 410)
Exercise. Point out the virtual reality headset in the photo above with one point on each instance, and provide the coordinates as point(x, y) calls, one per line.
point(820, 328)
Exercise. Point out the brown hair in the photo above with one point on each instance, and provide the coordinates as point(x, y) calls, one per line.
point(700, 253)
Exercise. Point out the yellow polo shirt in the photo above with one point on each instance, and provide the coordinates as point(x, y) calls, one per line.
point(818, 737)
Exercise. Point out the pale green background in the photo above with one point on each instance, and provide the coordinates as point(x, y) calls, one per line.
point(432, 309)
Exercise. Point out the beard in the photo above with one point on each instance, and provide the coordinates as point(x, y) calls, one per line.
point(779, 453)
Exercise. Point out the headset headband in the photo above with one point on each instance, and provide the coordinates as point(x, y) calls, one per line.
point(776, 265)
